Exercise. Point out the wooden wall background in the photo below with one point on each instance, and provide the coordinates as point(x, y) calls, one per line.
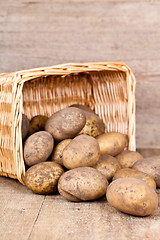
point(40, 33)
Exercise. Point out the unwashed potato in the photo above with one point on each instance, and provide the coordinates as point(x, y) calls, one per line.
point(151, 166)
point(82, 151)
point(128, 158)
point(25, 126)
point(66, 123)
point(128, 172)
point(83, 107)
point(94, 125)
point(82, 184)
point(58, 150)
point(132, 196)
point(112, 143)
point(37, 123)
point(38, 147)
point(108, 166)
point(42, 178)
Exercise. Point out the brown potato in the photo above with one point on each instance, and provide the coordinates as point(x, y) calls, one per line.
point(132, 196)
point(58, 150)
point(37, 123)
point(94, 125)
point(25, 126)
point(112, 143)
point(83, 107)
point(128, 172)
point(151, 166)
point(82, 184)
point(107, 165)
point(66, 123)
point(82, 151)
point(128, 158)
point(38, 147)
point(42, 178)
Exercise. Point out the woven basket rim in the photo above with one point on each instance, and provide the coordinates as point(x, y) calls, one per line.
point(62, 69)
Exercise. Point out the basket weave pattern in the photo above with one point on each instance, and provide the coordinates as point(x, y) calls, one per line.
point(107, 88)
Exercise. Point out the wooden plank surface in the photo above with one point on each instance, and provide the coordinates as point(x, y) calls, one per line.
point(43, 33)
point(92, 220)
point(19, 209)
point(75, 1)
point(27, 216)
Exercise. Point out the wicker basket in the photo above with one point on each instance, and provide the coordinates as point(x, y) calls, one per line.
point(108, 88)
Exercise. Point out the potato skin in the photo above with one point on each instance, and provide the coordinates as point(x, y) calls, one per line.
point(112, 143)
point(37, 123)
point(83, 107)
point(128, 158)
point(94, 125)
point(58, 150)
point(132, 196)
point(25, 126)
point(132, 173)
point(42, 178)
point(82, 151)
point(108, 166)
point(66, 123)
point(151, 166)
point(38, 147)
point(82, 184)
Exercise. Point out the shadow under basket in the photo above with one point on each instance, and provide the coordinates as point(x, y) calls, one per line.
point(107, 88)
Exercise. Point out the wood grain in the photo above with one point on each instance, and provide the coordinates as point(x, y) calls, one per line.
point(75, 1)
point(43, 33)
point(149, 152)
point(91, 220)
point(28, 216)
point(19, 209)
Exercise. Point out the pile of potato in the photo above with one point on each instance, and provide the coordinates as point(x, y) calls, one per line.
point(70, 153)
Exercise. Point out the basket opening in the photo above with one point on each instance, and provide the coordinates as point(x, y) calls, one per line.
point(105, 92)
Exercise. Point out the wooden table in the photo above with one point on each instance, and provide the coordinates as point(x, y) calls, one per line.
point(39, 33)
point(42, 33)
point(28, 216)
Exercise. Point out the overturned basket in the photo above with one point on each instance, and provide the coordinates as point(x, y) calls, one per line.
point(107, 88)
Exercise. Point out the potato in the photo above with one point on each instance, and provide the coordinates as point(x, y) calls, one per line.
point(82, 184)
point(83, 107)
point(37, 123)
point(25, 126)
point(107, 165)
point(132, 196)
point(94, 125)
point(42, 178)
point(58, 150)
point(128, 172)
point(151, 166)
point(66, 123)
point(112, 143)
point(38, 147)
point(82, 151)
point(128, 158)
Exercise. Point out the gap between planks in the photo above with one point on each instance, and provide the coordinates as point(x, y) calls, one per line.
point(37, 217)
